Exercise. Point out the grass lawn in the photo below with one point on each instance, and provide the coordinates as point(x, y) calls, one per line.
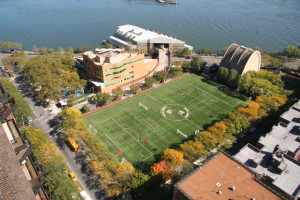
point(145, 125)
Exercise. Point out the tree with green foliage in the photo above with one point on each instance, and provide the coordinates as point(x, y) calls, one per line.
point(85, 109)
point(19, 59)
point(47, 155)
point(8, 64)
point(134, 88)
point(71, 100)
point(187, 167)
point(149, 81)
point(117, 93)
point(291, 52)
point(23, 111)
point(79, 49)
point(208, 140)
point(275, 62)
point(186, 65)
point(175, 71)
point(185, 51)
point(262, 83)
point(50, 74)
point(223, 74)
point(224, 49)
point(206, 51)
point(192, 150)
point(232, 79)
point(103, 98)
point(197, 64)
point(160, 76)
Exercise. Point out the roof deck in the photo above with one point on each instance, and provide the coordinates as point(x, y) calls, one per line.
point(223, 178)
point(109, 57)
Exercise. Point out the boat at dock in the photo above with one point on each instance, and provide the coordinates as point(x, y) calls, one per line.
point(167, 1)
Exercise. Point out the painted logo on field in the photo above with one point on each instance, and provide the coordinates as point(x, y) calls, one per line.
point(175, 112)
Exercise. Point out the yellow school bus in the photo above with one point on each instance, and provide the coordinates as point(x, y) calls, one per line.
point(73, 144)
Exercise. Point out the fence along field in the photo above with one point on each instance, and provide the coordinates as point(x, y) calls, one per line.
point(140, 127)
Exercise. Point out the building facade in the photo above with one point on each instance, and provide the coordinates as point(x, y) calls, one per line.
point(107, 69)
point(241, 58)
point(135, 37)
point(20, 178)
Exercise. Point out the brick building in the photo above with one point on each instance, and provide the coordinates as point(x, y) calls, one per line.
point(107, 69)
point(222, 177)
point(19, 178)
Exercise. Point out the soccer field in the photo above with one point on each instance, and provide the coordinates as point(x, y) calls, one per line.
point(144, 125)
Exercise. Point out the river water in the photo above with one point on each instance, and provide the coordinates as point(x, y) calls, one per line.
point(270, 24)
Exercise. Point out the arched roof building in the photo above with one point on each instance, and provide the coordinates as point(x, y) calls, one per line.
point(241, 58)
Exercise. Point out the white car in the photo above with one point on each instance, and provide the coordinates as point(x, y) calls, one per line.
point(85, 195)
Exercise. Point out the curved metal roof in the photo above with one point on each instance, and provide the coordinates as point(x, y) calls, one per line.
point(236, 57)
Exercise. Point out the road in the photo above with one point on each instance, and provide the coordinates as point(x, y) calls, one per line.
point(46, 120)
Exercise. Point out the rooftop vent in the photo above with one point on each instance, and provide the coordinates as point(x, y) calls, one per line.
point(252, 198)
point(233, 188)
point(219, 192)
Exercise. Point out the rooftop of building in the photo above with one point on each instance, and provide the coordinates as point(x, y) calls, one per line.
point(292, 113)
point(277, 154)
point(13, 183)
point(138, 34)
point(221, 173)
point(109, 56)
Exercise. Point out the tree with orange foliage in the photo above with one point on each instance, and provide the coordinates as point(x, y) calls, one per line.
point(218, 130)
point(192, 150)
point(207, 139)
point(162, 168)
point(173, 157)
point(250, 111)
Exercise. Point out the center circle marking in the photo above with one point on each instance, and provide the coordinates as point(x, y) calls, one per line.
point(175, 112)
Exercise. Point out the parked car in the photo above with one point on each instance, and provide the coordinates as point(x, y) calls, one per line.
point(73, 176)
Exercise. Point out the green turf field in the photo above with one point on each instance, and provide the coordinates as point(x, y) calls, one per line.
point(159, 117)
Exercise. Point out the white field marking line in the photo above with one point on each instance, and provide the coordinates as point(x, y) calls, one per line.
point(213, 96)
point(236, 104)
point(136, 96)
point(105, 146)
point(172, 110)
point(102, 121)
point(132, 136)
point(104, 134)
point(135, 133)
point(147, 157)
point(138, 139)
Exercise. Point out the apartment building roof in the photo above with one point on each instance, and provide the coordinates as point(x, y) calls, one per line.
point(223, 178)
point(277, 154)
point(13, 183)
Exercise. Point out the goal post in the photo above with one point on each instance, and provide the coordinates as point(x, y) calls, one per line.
point(124, 160)
point(92, 130)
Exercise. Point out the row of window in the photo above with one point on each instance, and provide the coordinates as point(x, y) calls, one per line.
point(119, 81)
point(117, 67)
point(118, 77)
point(114, 73)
